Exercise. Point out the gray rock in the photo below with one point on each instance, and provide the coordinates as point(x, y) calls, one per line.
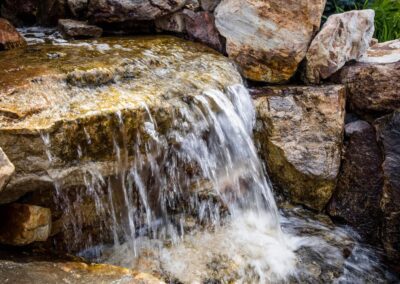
point(77, 29)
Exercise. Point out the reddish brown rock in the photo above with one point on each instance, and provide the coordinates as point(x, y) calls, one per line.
point(268, 39)
point(359, 189)
point(78, 29)
point(373, 83)
point(343, 37)
point(9, 36)
point(300, 130)
point(388, 130)
point(22, 224)
point(200, 26)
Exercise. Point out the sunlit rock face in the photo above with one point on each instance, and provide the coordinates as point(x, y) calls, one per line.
point(268, 39)
point(299, 131)
point(373, 82)
point(6, 169)
point(343, 37)
point(62, 106)
point(389, 137)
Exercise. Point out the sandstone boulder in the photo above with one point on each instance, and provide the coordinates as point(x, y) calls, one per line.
point(357, 196)
point(101, 11)
point(389, 137)
point(343, 37)
point(22, 224)
point(373, 83)
point(268, 39)
point(299, 131)
point(6, 169)
point(78, 29)
point(9, 36)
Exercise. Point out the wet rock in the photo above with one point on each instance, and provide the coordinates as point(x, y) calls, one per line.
point(299, 132)
point(373, 82)
point(268, 39)
point(22, 224)
point(6, 169)
point(389, 137)
point(343, 37)
point(9, 36)
point(359, 189)
point(53, 138)
point(50, 11)
point(78, 29)
point(78, 8)
point(200, 26)
point(20, 12)
point(111, 11)
point(15, 268)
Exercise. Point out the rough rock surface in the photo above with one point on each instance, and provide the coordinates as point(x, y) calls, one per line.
point(389, 137)
point(172, 23)
point(9, 36)
point(209, 5)
point(357, 196)
point(6, 169)
point(20, 12)
point(200, 26)
point(34, 134)
point(299, 131)
point(22, 224)
point(78, 29)
point(50, 11)
point(373, 83)
point(268, 39)
point(102, 11)
point(343, 37)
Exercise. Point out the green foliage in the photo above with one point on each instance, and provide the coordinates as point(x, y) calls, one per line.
point(387, 14)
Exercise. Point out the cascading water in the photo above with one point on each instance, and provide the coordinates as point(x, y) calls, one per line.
point(185, 195)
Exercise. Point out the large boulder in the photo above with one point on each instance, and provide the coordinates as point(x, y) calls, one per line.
point(343, 37)
point(110, 11)
point(389, 137)
point(78, 29)
point(359, 189)
point(6, 169)
point(78, 8)
point(373, 83)
point(50, 11)
point(268, 39)
point(23, 224)
point(9, 36)
point(20, 12)
point(299, 131)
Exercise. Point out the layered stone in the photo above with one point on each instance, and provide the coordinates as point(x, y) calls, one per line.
point(343, 37)
point(268, 39)
point(299, 131)
point(359, 189)
point(373, 82)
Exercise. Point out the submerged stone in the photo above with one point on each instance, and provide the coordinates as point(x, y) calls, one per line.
point(300, 130)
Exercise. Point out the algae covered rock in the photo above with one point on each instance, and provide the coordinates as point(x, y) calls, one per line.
point(299, 131)
point(60, 117)
point(268, 39)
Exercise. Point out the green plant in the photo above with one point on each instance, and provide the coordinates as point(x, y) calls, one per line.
point(387, 14)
